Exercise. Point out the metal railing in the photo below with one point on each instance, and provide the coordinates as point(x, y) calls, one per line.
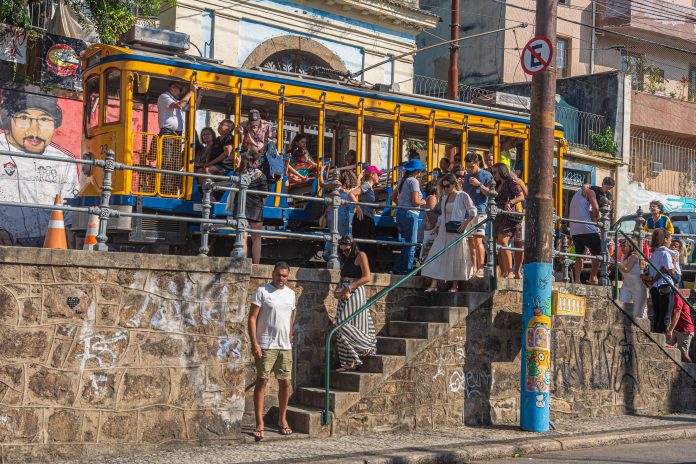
point(433, 87)
point(578, 126)
point(662, 166)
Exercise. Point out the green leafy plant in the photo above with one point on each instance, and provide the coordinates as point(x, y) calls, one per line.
point(655, 79)
point(15, 13)
point(112, 18)
point(604, 141)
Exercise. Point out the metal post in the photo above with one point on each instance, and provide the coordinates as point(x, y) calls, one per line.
point(638, 229)
point(333, 226)
point(565, 261)
point(104, 210)
point(239, 250)
point(537, 283)
point(604, 226)
point(206, 206)
point(492, 211)
point(453, 77)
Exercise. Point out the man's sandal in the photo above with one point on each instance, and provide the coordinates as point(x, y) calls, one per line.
point(258, 434)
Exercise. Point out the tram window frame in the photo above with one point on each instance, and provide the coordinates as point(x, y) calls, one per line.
point(105, 116)
point(89, 122)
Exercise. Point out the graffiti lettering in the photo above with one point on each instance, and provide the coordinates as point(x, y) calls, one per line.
point(98, 348)
point(470, 383)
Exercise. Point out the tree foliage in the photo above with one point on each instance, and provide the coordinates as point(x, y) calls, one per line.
point(14, 12)
point(114, 17)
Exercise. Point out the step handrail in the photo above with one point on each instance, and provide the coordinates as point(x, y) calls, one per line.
point(668, 279)
point(326, 414)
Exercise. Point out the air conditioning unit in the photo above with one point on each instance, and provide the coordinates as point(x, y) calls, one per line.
point(655, 168)
point(509, 100)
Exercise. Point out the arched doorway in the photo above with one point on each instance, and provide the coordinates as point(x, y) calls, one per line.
point(291, 53)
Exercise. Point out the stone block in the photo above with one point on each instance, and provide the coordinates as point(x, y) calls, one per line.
point(73, 302)
point(20, 425)
point(42, 453)
point(64, 426)
point(93, 276)
point(107, 314)
point(12, 375)
point(11, 273)
point(59, 352)
point(51, 387)
point(118, 427)
point(225, 376)
point(98, 348)
point(37, 274)
point(505, 411)
point(90, 427)
point(66, 274)
point(161, 424)
point(188, 387)
point(167, 350)
point(9, 308)
point(98, 388)
point(230, 349)
point(144, 387)
point(30, 311)
point(30, 344)
point(130, 278)
point(109, 294)
point(213, 424)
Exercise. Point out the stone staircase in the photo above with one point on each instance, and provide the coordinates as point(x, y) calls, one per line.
point(402, 338)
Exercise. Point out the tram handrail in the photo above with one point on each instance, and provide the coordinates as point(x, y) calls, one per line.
point(326, 416)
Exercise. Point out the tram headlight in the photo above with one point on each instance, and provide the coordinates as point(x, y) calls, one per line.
point(87, 168)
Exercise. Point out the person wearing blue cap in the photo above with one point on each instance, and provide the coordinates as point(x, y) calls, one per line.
point(408, 194)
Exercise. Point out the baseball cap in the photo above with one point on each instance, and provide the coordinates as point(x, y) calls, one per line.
point(370, 169)
point(16, 102)
point(254, 116)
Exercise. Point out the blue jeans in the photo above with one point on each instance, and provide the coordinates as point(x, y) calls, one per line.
point(407, 224)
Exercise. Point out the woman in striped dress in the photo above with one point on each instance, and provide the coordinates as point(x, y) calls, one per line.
point(357, 338)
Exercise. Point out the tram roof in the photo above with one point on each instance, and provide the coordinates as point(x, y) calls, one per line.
point(208, 65)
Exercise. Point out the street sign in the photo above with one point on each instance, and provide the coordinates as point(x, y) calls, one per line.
point(536, 55)
point(563, 304)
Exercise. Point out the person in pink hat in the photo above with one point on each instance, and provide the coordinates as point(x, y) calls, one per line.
point(364, 218)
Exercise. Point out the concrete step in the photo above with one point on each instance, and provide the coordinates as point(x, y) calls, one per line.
point(301, 419)
point(659, 338)
point(400, 346)
point(339, 400)
point(449, 299)
point(447, 314)
point(355, 381)
point(643, 323)
point(382, 364)
point(407, 329)
point(674, 353)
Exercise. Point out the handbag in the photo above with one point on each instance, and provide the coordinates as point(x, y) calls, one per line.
point(664, 290)
point(452, 227)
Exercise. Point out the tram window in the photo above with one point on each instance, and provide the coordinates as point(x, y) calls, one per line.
point(112, 107)
point(91, 116)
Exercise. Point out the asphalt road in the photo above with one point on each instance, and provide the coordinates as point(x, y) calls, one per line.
point(666, 452)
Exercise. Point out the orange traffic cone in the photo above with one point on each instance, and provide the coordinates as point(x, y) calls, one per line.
point(55, 237)
point(91, 234)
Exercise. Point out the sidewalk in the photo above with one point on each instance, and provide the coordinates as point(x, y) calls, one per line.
point(439, 446)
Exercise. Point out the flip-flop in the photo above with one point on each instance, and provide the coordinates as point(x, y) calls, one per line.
point(430, 290)
point(284, 430)
point(258, 434)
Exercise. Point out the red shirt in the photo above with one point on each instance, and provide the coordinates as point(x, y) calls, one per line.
point(685, 324)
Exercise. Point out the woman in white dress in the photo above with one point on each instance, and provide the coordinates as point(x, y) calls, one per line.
point(633, 289)
point(455, 207)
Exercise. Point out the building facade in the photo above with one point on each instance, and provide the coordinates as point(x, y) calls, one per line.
point(653, 45)
point(306, 37)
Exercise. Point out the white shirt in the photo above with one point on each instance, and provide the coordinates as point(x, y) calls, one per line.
point(30, 180)
point(171, 118)
point(661, 258)
point(275, 317)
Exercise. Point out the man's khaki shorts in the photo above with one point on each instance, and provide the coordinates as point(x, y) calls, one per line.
point(278, 362)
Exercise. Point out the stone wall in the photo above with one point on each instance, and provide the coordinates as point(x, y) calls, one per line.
point(101, 350)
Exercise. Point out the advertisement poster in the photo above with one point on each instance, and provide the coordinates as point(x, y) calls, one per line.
point(38, 125)
point(13, 44)
point(61, 62)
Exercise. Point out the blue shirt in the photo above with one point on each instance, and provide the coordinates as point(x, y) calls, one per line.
point(478, 196)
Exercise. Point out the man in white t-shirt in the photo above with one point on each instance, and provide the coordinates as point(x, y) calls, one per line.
point(271, 317)
point(30, 122)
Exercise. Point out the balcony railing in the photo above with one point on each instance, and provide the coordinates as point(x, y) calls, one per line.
point(432, 87)
point(578, 126)
point(662, 165)
point(40, 12)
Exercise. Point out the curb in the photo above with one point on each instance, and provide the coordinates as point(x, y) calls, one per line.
point(466, 452)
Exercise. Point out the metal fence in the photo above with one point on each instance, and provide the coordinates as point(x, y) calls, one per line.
point(663, 166)
point(40, 12)
point(432, 87)
point(578, 126)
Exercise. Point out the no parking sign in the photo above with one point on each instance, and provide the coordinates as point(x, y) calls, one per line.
point(536, 55)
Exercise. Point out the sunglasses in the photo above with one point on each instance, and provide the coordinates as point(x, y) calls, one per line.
point(446, 185)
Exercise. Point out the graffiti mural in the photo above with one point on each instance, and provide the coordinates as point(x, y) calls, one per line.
point(61, 62)
point(38, 125)
point(13, 44)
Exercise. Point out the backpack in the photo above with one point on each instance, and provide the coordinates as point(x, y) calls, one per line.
point(272, 164)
